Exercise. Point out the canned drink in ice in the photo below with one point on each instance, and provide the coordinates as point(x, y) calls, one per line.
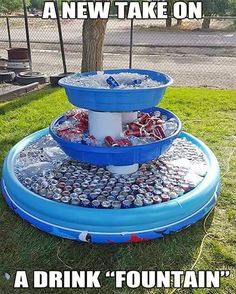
point(143, 118)
point(165, 197)
point(101, 198)
point(157, 199)
point(126, 203)
point(85, 203)
point(75, 201)
point(112, 82)
point(138, 202)
point(111, 198)
point(56, 197)
point(106, 204)
point(109, 141)
point(83, 197)
point(120, 197)
point(147, 201)
point(93, 195)
point(96, 203)
point(131, 198)
point(65, 199)
point(116, 204)
point(173, 195)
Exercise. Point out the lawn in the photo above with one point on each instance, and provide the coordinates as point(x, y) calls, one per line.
point(207, 113)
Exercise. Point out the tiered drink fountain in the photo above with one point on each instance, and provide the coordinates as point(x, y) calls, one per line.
point(107, 187)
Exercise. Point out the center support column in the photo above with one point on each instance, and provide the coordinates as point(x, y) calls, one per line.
point(102, 124)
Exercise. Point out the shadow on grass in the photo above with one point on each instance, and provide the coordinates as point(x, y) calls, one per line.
point(24, 100)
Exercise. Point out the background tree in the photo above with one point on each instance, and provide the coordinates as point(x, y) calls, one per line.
point(93, 41)
point(9, 6)
point(213, 8)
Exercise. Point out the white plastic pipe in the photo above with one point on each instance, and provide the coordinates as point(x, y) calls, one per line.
point(124, 170)
point(128, 117)
point(102, 124)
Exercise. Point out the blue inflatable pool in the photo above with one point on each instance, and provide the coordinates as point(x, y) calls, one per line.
point(117, 100)
point(109, 225)
point(119, 156)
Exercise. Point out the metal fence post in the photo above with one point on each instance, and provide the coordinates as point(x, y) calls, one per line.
point(27, 34)
point(8, 31)
point(131, 43)
point(60, 37)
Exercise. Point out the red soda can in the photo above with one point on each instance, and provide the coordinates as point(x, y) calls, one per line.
point(160, 129)
point(136, 133)
point(143, 118)
point(108, 140)
point(134, 126)
point(149, 125)
point(123, 142)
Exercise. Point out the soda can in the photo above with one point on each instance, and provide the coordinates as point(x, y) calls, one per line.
point(65, 193)
point(157, 192)
point(147, 201)
point(123, 142)
point(74, 195)
point(111, 198)
point(135, 133)
point(116, 204)
point(112, 82)
point(83, 197)
point(93, 196)
point(101, 198)
point(68, 188)
point(84, 185)
point(137, 82)
point(150, 188)
point(87, 191)
point(173, 195)
point(142, 191)
point(105, 193)
point(156, 199)
point(85, 202)
point(140, 196)
point(96, 203)
point(131, 198)
point(134, 126)
point(135, 187)
point(126, 189)
point(185, 187)
point(65, 199)
point(117, 189)
point(49, 194)
point(138, 202)
point(143, 118)
point(106, 204)
point(97, 191)
point(75, 201)
point(165, 197)
point(126, 203)
point(108, 189)
point(120, 197)
point(56, 197)
point(179, 191)
point(78, 190)
point(114, 193)
point(109, 141)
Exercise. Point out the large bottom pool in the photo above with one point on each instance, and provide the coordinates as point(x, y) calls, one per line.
point(155, 218)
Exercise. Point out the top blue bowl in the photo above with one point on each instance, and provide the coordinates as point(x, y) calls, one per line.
point(117, 100)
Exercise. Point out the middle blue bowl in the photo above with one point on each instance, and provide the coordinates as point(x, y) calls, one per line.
point(119, 156)
point(116, 99)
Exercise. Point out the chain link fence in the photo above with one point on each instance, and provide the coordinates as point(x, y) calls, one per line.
point(193, 57)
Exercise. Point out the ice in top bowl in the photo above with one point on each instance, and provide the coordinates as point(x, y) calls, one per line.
point(116, 90)
point(122, 80)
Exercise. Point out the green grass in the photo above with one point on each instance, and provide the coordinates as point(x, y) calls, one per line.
point(211, 116)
